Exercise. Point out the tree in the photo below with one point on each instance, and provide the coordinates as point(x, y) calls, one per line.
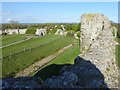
point(78, 27)
point(15, 25)
point(4, 26)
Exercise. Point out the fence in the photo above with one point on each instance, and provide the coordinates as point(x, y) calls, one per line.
point(24, 50)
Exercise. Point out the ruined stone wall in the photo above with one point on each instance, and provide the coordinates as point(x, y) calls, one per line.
point(95, 68)
point(98, 46)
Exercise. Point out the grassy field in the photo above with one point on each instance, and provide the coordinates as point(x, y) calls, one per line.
point(32, 43)
point(41, 47)
point(53, 68)
point(8, 39)
point(14, 64)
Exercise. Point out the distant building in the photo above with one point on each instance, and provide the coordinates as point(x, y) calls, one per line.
point(61, 32)
point(10, 31)
point(0, 31)
point(13, 31)
point(55, 26)
point(22, 31)
point(41, 32)
point(63, 27)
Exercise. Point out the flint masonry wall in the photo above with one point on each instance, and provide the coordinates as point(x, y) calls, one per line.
point(97, 67)
point(98, 46)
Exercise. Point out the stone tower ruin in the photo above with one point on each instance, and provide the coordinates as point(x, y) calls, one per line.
point(98, 46)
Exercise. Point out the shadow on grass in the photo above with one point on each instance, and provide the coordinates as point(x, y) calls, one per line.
point(87, 74)
point(49, 71)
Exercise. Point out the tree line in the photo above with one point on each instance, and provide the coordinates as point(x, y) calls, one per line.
point(68, 26)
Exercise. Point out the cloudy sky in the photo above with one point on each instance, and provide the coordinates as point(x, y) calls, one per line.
point(55, 12)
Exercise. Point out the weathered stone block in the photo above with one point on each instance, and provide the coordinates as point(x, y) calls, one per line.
point(98, 46)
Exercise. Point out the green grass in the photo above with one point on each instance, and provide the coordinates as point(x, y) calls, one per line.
point(34, 42)
point(8, 39)
point(53, 31)
point(14, 64)
point(31, 30)
point(53, 68)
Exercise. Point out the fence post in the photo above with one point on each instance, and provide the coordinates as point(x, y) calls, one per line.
point(24, 49)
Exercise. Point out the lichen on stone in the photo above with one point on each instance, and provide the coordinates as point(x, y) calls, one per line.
point(102, 48)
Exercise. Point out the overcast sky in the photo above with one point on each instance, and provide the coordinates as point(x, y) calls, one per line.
point(55, 12)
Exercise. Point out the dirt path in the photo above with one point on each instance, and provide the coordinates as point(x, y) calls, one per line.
point(15, 43)
point(32, 68)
